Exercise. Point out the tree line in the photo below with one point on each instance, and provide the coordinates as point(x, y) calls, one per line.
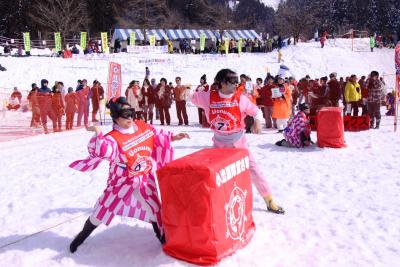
point(293, 17)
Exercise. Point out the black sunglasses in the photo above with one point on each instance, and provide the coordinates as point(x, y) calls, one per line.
point(127, 113)
point(232, 79)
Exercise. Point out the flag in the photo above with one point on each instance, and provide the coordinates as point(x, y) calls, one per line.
point(57, 40)
point(27, 42)
point(132, 38)
point(239, 43)
point(114, 80)
point(152, 39)
point(83, 40)
point(202, 41)
point(104, 42)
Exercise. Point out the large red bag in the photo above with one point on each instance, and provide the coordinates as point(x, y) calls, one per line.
point(207, 204)
point(330, 128)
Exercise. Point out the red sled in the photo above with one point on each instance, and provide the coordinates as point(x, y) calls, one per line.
point(207, 204)
point(356, 124)
point(330, 128)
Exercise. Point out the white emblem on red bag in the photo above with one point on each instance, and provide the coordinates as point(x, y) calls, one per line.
point(235, 214)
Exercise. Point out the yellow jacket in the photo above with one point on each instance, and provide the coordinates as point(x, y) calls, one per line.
point(352, 92)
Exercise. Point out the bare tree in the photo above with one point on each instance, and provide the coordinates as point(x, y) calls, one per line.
point(295, 19)
point(64, 16)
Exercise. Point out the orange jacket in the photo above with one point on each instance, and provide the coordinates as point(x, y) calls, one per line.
point(282, 106)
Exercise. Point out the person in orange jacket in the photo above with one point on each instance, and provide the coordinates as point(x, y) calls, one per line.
point(282, 105)
point(57, 105)
point(71, 107)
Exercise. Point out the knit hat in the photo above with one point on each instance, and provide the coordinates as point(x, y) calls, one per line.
point(42, 82)
point(115, 105)
point(204, 78)
point(33, 85)
point(303, 106)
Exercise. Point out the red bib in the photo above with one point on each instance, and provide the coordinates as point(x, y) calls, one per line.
point(137, 148)
point(225, 115)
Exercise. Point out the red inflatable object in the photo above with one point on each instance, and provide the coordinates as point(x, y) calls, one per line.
point(330, 128)
point(207, 205)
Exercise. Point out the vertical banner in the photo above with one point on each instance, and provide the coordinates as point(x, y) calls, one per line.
point(132, 38)
point(152, 39)
point(114, 80)
point(27, 42)
point(83, 40)
point(202, 41)
point(396, 97)
point(239, 45)
point(57, 40)
point(104, 42)
point(226, 45)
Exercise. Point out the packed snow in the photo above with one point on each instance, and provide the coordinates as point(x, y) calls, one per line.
point(341, 204)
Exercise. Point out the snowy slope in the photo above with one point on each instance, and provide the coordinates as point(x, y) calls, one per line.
point(341, 205)
point(271, 3)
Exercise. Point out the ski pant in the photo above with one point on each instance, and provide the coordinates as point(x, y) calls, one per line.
point(374, 111)
point(35, 116)
point(257, 177)
point(70, 120)
point(83, 112)
point(181, 112)
point(148, 112)
point(352, 106)
point(164, 115)
point(57, 120)
point(47, 111)
point(268, 116)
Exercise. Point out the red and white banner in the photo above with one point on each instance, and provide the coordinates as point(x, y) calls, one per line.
point(114, 80)
point(397, 88)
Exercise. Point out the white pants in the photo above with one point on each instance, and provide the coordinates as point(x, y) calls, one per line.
point(281, 123)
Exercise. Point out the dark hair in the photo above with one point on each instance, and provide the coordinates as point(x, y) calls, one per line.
point(374, 73)
point(115, 105)
point(221, 76)
point(61, 83)
point(146, 81)
point(165, 80)
point(259, 79)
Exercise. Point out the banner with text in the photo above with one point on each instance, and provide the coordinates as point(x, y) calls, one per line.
point(132, 39)
point(57, 40)
point(104, 42)
point(27, 42)
point(114, 80)
point(83, 40)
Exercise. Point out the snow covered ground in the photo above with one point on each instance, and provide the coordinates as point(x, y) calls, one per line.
point(341, 204)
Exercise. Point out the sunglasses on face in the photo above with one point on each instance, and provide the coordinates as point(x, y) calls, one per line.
point(128, 113)
point(232, 79)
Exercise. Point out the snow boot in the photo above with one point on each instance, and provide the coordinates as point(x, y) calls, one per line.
point(272, 207)
point(377, 124)
point(158, 233)
point(81, 237)
point(279, 143)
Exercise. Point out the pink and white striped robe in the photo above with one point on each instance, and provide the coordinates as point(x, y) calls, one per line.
point(119, 196)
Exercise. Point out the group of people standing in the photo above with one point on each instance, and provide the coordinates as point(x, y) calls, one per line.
point(56, 102)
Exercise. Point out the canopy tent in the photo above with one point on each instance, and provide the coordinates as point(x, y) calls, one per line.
point(123, 34)
point(175, 34)
point(237, 34)
point(159, 33)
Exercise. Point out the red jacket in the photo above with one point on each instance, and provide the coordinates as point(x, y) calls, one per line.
point(266, 94)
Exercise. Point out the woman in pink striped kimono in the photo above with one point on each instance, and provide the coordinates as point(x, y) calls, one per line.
point(135, 151)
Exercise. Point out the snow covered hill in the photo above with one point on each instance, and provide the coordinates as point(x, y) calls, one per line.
point(341, 204)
